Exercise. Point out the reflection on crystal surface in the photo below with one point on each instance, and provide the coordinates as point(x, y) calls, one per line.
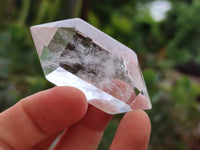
point(81, 56)
point(92, 93)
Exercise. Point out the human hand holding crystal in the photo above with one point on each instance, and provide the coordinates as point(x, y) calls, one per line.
point(35, 122)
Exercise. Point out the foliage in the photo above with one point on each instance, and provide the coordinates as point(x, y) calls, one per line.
point(168, 50)
point(185, 26)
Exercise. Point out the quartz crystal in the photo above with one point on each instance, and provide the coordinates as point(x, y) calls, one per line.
point(74, 53)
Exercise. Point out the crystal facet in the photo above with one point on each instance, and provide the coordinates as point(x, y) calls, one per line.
point(74, 53)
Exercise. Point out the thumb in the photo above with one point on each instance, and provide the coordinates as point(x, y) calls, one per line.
point(39, 116)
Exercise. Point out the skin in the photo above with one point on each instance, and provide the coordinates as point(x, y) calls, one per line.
point(34, 123)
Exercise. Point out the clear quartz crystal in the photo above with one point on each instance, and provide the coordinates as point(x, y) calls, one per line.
point(74, 53)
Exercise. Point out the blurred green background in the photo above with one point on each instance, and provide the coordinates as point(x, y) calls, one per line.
point(164, 34)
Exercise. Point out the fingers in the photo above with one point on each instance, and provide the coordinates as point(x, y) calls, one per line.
point(45, 144)
point(139, 102)
point(86, 135)
point(37, 117)
point(133, 132)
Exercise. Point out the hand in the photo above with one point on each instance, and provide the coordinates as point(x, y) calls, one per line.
point(34, 123)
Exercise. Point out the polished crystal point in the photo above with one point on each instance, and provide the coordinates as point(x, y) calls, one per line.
point(74, 53)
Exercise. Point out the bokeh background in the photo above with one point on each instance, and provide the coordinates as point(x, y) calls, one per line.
point(165, 34)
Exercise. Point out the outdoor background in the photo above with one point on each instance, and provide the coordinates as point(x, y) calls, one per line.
point(164, 34)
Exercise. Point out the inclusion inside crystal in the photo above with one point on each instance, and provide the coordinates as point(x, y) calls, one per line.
point(111, 80)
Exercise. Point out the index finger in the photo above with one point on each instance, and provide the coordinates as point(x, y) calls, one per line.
point(36, 117)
